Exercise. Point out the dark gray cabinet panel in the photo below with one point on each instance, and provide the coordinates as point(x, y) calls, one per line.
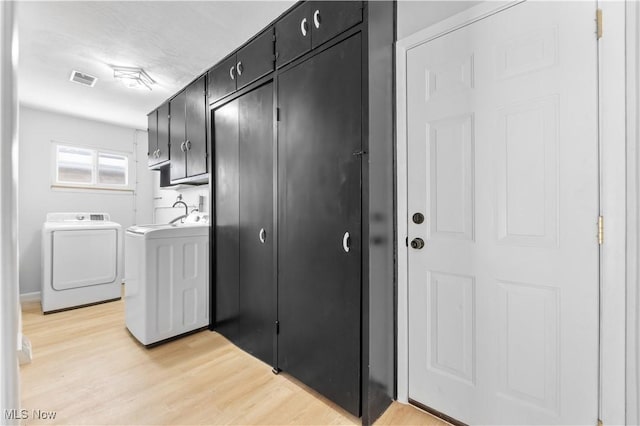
point(163, 133)
point(255, 59)
point(196, 129)
point(152, 137)
point(244, 261)
point(188, 132)
point(319, 286)
point(227, 261)
point(330, 18)
point(177, 136)
point(257, 287)
point(293, 35)
point(222, 79)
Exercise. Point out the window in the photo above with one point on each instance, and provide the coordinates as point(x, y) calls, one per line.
point(91, 168)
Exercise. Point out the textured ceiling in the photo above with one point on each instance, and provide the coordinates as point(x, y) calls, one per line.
point(173, 41)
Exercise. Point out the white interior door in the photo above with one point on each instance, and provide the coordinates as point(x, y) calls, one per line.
point(503, 165)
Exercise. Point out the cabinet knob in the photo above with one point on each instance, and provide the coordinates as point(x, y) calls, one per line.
point(316, 18)
point(303, 27)
point(239, 68)
point(232, 73)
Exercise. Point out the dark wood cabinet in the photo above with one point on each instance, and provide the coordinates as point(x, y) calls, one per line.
point(244, 261)
point(158, 134)
point(330, 18)
point(255, 60)
point(188, 132)
point(319, 250)
point(222, 79)
point(257, 286)
point(293, 34)
point(226, 259)
point(249, 63)
point(302, 195)
point(196, 128)
point(177, 136)
point(152, 136)
point(312, 24)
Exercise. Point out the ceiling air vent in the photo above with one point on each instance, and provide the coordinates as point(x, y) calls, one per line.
point(82, 78)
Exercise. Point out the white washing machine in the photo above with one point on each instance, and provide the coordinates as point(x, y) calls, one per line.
point(167, 279)
point(81, 260)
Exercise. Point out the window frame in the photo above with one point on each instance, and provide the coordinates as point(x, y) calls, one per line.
point(95, 154)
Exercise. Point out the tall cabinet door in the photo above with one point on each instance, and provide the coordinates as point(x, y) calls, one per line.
point(196, 125)
point(257, 290)
point(227, 266)
point(177, 136)
point(319, 245)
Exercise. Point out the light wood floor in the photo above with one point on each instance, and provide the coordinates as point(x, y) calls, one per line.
point(89, 370)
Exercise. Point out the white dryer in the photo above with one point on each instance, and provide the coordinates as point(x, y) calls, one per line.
point(81, 260)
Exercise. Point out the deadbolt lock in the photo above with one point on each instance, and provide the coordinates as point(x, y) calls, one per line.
point(418, 218)
point(417, 243)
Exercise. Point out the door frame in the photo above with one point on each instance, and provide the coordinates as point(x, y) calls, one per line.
point(613, 199)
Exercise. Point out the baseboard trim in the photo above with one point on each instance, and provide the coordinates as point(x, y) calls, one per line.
point(30, 297)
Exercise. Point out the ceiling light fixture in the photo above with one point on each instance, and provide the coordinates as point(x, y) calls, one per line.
point(133, 78)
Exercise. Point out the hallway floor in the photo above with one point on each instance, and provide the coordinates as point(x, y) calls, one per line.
point(87, 369)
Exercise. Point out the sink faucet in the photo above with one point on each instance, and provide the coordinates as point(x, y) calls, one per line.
point(186, 208)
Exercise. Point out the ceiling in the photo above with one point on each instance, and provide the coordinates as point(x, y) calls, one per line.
point(174, 41)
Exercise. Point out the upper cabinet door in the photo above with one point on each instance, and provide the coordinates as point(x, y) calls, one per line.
point(222, 79)
point(196, 123)
point(177, 136)
point(163, 133)
point(255, 59)
point(293, 35)
point(152, 131)
point(330, 18)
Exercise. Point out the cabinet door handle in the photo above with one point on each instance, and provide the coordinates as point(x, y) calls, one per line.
point(158, 154)
point(182, 147)
point(239, 68)
point(316, 18)
point(187, 145)
point(262, 235)
point(231, 73)
point(303, 27)
point(346, 242)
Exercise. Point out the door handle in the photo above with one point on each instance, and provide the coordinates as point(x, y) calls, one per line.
point(303, 27)
point(417, 243)
point(231, 74)
point(346, 242)
point(316, 18)
point(262, 235)
point(187, 145)
point(239, 68)
point(182, 147)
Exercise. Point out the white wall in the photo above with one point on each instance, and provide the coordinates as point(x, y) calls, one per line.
point(163, 200)
point(36, 197)
point(416, 15)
